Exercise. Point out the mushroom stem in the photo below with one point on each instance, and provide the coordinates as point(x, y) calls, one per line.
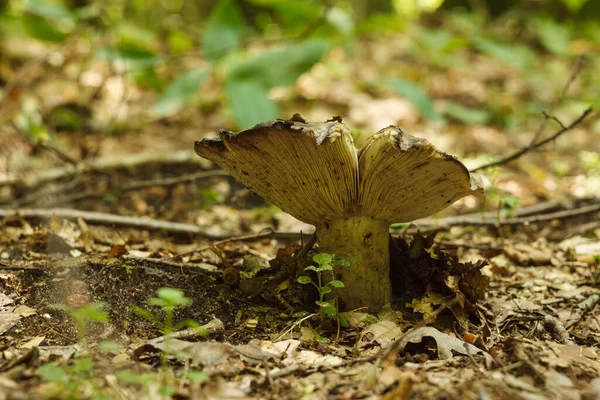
point(366, 280)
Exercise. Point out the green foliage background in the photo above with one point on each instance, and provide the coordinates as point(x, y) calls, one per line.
point(249, 47)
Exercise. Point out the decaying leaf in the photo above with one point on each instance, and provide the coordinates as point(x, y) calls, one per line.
point(445, 344)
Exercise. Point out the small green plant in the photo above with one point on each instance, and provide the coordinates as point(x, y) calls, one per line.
point(75, 380)
point(93, 312)
point(325, 262)
point(168, 299)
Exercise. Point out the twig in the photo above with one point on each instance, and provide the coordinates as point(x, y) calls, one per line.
point(503, 213)
point(208, 268)
point(263, 234)
point(554, 326)
point(183, 228)
point(109, 219)
point(101, 164)
point(534, 146)
point(558, 99)
point(163, 182)
point(582, 308)
point(212, 328)
point(137, 222)
point(474, 220)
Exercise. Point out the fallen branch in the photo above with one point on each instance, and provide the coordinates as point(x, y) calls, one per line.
point(190, 229)
point(100, 164)
point(135, 222)
point(533, 146)
point(583, 308)
point(162, 182)
point(478, 221)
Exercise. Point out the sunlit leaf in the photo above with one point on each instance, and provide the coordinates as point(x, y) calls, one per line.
point(465, 114)
point(304, 279)
point(574, 5)
point(553, 36)
point(517, 56)
point(174, 297)
point(224, 29)
point(322, 258)
point(417, 96)
point(250, 103)
point(53, 373)
point(281, 67)
point(179, 93)
point(336, 284)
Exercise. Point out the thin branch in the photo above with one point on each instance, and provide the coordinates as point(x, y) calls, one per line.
point(135, 222)
point(558, 99)
point(163, 182)
point(534, 146)
point(190, 229)
point(564, 214)
point(101, 164)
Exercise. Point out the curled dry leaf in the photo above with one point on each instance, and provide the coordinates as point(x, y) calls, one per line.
point(445, 344)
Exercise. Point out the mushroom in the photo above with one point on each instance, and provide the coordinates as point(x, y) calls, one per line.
point(314, 172)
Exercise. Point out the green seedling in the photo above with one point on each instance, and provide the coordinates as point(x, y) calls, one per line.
point(210, 197)
point(83, 316)
point(325, 263)
point(168, 299)
point(70, 381)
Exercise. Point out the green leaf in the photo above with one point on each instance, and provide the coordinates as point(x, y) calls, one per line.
point(174, 297)
point(82, 365)
point(39, 28)
point(325, 290)
point(130, 377)
point(53, 373)
point(109, 346)
point(300, 314)
point(326, 267)
point(574, 5)
point(304, 279)
point(517, 56)
point(91, 312)
point(336, 284)
point(198, 376)
point(323, 258)
point(250, 103)
point(553, 36)
point(179, 93)
point(129, 59)
point(417, 96)
point(281, 67)
point(147, 315)
point(224, 29)
point(312, 268)
point(466, 115)
point(47, 21)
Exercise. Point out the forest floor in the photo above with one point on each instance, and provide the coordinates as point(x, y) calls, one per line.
point(82, 257)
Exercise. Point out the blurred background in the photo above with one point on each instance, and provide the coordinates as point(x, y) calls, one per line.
point(91, 79)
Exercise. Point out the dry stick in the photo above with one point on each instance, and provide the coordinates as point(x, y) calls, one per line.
point(557, 100)
point(102, 164)
point(574, 212)
point(534, 146)
point(554, 326)
point(163, 182)
point(493, 215)
point(582, 308)
point(182, 228)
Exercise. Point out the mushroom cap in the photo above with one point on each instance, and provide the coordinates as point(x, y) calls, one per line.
point(403, 178)
point(308, 170)
point(313, 171)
